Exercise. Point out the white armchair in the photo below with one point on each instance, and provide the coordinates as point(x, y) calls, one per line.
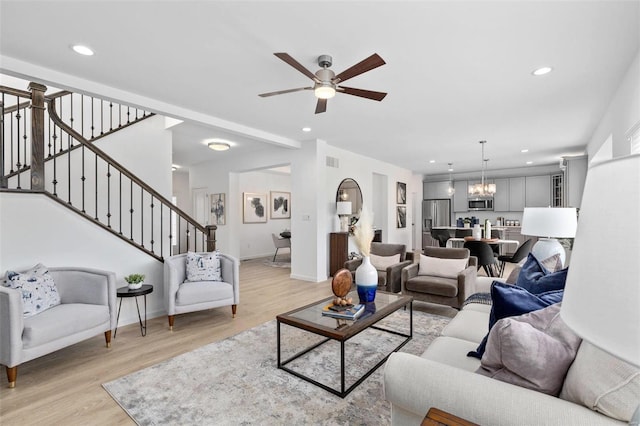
point(182, 297)
point(87, 308)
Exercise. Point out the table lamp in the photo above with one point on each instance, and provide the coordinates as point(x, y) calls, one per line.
point(549, 223)
point(343, 209)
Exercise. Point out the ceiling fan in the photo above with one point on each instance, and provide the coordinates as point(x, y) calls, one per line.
point(326, 81)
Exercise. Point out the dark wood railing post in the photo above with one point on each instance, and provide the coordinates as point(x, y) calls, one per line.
point(37, 136)
point(211, 237)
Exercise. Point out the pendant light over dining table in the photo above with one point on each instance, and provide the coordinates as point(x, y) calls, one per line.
point(482, 189)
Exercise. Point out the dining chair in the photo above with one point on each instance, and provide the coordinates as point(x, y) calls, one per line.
point(280, 243)
point(486, 258)
point(516, 257)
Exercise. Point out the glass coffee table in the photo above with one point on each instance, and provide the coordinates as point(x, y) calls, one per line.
point(310, 319)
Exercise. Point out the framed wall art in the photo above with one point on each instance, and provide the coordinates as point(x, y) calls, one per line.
point(218, 209)
point(401, 217)
point(401, 193)
point(280, 205)
point(254, 207)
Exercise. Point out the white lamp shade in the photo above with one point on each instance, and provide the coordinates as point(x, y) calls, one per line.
point(601, 302)
point(343, 208)
point(552, 222)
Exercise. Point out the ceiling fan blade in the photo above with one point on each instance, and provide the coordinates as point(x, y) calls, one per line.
point(297, 65)
point(321, 106)
point(373, 61)
point(369, 94)
point(281, 92)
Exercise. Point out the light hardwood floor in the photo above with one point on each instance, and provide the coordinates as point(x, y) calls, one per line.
point(65, 387)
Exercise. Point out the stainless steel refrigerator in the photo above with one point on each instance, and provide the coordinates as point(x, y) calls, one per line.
point(435, 213)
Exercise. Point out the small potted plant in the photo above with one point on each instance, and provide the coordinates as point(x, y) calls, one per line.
point(134, 280)
point(467, 222)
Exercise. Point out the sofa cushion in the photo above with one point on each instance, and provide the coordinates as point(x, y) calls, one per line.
point(38, 290)
point(468, 324)
point(533, 350)
point(191, 293)
point(510, 300)
point(537, 279)
point(440, 286)
point(381, 263)
point(603, 383)
point(446, 268)
point(203, 267)
point(62, 321)
point(450, 351)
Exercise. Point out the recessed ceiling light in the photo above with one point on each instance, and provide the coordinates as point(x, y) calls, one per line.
point(306, 129)
point(450, 169)
point(218, 146)
point(529, 162)
point(524, 150)
point(432, 161)
point(542, 71)
point(82, 50)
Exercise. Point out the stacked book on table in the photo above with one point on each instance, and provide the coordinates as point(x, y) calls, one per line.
point(349, 312)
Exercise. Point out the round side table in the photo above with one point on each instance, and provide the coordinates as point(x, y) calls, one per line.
point(123, 292)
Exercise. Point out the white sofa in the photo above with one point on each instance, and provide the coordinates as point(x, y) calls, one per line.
point(444, 377)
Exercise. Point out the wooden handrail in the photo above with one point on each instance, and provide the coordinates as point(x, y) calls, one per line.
point(56, 119)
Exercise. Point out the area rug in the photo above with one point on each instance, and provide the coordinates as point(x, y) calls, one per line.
point(236, 381)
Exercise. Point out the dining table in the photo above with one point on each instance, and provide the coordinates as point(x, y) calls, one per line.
point(459, 242)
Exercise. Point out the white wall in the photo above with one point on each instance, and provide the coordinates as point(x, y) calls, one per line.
point(35, 229)
point(255, 238)
point(623, 113)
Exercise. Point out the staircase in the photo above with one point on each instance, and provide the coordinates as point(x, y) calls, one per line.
point(47, 146)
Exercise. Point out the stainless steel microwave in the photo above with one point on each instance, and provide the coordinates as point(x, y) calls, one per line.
point(484, 203)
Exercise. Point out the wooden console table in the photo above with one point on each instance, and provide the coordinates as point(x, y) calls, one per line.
point(338, 251)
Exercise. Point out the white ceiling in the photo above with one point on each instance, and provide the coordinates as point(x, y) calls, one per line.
point(457, 72)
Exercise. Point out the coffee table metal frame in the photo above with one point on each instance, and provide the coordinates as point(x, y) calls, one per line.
point(342, 334)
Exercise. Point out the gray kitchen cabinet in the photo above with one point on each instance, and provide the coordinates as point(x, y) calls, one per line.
point(501, 197)
point(434, 190)
point(516, 194)
point(460, 203)
point(538, 191)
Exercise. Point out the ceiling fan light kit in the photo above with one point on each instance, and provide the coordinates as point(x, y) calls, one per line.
point(326, 81)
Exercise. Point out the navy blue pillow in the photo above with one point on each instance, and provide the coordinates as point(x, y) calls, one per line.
point(537, 279)
point(512, 300)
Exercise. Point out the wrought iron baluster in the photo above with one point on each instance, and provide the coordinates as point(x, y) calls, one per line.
point(101, 117)
point(55, 163)
point(71, 107)
point(83, 179)
point(82, 115)
point(162, 232)
point(49, 145)
point(92, 121)
point(24, 138)
point(179, 234)
point(110, 116)
point(120, 202)
point(142, 217)
point(119, 115)
point(69, 168)
point(188, 235)
point(128, 115)
point(131, 211)
point(96, 185)
point(152, 223)
point(18, 144)
point(109, 195)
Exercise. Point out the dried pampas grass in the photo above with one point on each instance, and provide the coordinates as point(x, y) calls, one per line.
point(363, 232)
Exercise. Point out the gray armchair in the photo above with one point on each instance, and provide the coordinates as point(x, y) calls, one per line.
point(87, 308)
point(182, 297)
point(389, 278)
point(441, 290)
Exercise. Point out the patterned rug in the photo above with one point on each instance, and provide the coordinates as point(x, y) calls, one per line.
point(236, 381)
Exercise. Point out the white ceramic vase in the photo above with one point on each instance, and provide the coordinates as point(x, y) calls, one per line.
point(366, 281)
point(134, 286)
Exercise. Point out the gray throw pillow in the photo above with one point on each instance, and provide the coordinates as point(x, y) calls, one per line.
point(533, 351)
point(602, 383)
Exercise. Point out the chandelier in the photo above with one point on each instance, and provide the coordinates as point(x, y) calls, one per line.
point(482, 189)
